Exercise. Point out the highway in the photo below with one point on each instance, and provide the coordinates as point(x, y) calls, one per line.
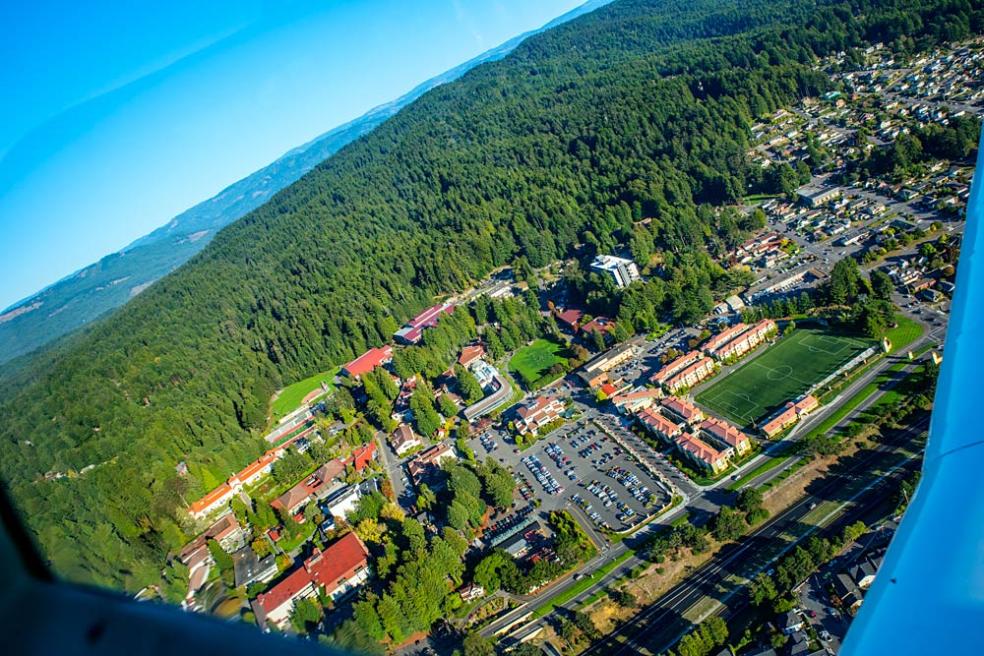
point(658, 626)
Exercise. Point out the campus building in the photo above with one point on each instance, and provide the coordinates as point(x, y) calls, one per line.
point(659, 425)
point(703, 454)
point(534, 416)
point(413, 330)
point(368, 361)
point(340, 568)
point(623, 271)
point(725, 435)
point(682, 410)
point(631, 402)
point(788, 415)
point(691, 375)
point(593, 370)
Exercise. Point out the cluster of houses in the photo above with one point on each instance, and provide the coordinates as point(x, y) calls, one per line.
point(849, 586)
point(764, 251)
point(708, 442)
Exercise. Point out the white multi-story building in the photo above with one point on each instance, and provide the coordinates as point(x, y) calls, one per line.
point(622, 270)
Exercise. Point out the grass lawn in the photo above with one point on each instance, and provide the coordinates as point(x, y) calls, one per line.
point(784, 371)
point(905, 333)
point(291, 397)
point(532, 362)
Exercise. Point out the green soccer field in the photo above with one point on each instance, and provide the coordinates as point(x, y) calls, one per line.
point(786, 370)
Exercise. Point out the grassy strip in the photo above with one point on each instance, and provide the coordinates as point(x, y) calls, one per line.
point(768, 465)
point(582, 585)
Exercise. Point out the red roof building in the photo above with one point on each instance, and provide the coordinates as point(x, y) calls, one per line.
point(470, 353)
point(726, 435)
point(413, 330)
point(601, 325)
point(362, 456)
point(658, 424)
point(340, 568)
point(570, 318)
point(374, 357)
point(683, 409)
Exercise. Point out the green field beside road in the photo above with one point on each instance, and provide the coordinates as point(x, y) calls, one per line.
point(786, 370)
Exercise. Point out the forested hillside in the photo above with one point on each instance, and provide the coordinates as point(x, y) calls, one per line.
point(639, 110)
point(82, 297)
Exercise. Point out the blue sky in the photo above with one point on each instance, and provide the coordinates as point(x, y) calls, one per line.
point(119, 115)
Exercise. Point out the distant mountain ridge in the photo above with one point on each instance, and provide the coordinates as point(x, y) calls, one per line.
point(87, 294)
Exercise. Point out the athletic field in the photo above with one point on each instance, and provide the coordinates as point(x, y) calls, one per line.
point(784, 371)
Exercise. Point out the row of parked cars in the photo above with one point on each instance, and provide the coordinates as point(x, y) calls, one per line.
point(633, 485)
point(488, 443)
point(590, 512)
point(542, 475)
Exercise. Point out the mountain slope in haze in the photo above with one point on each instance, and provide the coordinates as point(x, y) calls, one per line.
point(76, 300)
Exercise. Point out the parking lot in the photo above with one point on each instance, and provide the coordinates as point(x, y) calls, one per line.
point(654, 458)
point(579, 464)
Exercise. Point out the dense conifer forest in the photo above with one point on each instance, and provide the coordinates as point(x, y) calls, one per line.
point(628, 125)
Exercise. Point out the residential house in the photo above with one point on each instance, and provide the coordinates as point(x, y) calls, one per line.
point(250, 568)
point(340, 568)
point(318, 485)
point(425, 465)
point(725, 435)
point(404, 439)
point(791, 622)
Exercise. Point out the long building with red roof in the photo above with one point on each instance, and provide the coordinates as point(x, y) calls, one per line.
point(413, 330)
point(726, 435)
point(340, 568)
point(368, 361)
point(788, 415)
